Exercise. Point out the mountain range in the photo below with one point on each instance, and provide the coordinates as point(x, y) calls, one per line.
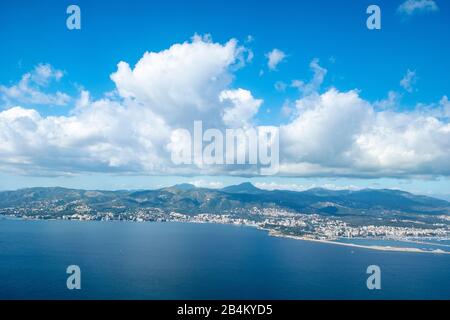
point(191, 200)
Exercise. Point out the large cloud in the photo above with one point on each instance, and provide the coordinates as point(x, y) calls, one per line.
point(332, 133)
point(338, 133)
point(325, 128)
point(130, 133)
point(106, 136)
point(184, 82)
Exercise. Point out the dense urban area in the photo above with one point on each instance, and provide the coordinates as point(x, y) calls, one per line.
point(278, 221)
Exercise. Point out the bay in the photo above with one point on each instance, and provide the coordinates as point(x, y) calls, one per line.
point(124, 260)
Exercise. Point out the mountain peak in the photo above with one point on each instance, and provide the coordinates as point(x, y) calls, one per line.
point(245, 187)
point(184, 186)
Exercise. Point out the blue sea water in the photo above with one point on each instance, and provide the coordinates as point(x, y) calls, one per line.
point(123, 260)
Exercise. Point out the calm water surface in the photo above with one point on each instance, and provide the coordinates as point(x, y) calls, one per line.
point(122, 260)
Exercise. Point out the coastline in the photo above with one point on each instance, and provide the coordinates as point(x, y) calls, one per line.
point(274, 233)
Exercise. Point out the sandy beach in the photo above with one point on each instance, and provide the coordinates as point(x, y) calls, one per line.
point(380, 248)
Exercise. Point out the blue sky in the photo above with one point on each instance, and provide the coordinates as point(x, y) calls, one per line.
point(374, 62)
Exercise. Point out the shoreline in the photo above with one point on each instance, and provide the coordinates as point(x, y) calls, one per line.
point(277, 234)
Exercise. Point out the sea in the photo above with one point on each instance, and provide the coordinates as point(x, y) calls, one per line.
point(128, 260)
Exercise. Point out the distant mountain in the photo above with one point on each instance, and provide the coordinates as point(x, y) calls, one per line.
point(245, 187)
point(188, 199)
point(184, 186)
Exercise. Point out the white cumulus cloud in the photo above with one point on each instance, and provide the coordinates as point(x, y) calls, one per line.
point(182, 83)
point(31, 89)
point(339, 133)
point(130, 133)
point(328, 133)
